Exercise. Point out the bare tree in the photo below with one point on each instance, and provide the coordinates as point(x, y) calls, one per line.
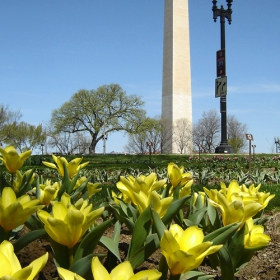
point(183, 136)
point(206, 131)
point(236, 134)
point(67, 143)
point(166, 135)
point(150, 133)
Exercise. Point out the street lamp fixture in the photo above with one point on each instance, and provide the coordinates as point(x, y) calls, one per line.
point(221, 81)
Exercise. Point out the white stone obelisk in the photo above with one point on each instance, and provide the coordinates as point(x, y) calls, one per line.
point(176, 82)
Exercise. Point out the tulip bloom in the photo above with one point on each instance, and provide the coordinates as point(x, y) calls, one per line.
point(15, 211)
point(146, 184)
point(123, 271)
point(69, 222)
point(73, 166)
point(160, 205)
point(185, 250)
point(253, 192)
point(234, 206)
point(10, 267)
point(12, 160)
point(48, 192)
point(177, 176)
point(254, 238)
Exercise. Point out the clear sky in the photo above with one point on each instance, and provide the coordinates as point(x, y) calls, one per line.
point(51, 49)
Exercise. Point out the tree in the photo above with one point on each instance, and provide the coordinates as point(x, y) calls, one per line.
point(7, 116)
point(236, 134)
point(98, 112)
point(206, 132)
point(24, 136)
point(183, 135)
point(150, 132)
point(67, 143)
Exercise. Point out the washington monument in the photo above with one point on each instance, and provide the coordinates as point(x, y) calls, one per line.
point(176, 81)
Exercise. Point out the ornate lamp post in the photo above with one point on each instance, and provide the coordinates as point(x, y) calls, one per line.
point(221, 83)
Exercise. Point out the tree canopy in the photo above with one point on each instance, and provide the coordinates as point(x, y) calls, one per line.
point(99, 112)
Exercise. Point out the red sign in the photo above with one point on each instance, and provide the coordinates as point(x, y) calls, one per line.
point(221, 63)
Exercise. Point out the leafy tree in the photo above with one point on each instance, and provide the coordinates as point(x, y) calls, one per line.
point(206, 131)
point(183, 135)
point(24, 136)
point(236, 134)
point(97, 112)
point(7, 116)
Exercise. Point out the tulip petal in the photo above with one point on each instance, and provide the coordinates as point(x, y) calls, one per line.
point(151, 274)
point(65, 274)
point(98, 270)
point(122, 272)
point(37, 265)
point(191, 237)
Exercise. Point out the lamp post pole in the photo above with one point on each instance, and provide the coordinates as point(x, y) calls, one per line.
point(224, 147)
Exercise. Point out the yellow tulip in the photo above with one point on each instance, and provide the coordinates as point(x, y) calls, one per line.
point(122, 271)
point(19, 177)
point(254, 238)
point(186, 189)
point(15, 211)
point(177, 176)
point(68, 223)
point(10, 267)
point(48, 192)
point(160, 205)
point(234, 210)
point(146, 184)
point(185, 250)
point(12, 160)
point(73, 166)
point(253, 192)
point(68, 275)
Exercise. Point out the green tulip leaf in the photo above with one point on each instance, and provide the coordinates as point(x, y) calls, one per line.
point(83, 266)
point(73, 183)
point(151, 245)
point(25, 183)
point(159, 225)
point(173, 209)
point(65, 182)
point(90, 240)
point(226, 265)
point(196, 275)
point(33, 223)
point(27, 238)
point(112, 244)
point(221, 235)
point(197, 216)
point(60, 254)
point(141, 230)
point(236, 248)
point(212, 214)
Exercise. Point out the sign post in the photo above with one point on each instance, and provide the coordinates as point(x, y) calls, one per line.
point(250, 138)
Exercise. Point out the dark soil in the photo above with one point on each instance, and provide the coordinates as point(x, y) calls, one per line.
point(265, 264)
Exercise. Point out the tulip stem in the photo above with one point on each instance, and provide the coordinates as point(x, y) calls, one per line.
point(70, 256)
point(174, 277)
point(12, 180)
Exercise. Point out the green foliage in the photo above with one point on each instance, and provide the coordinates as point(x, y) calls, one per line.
point(99, 112)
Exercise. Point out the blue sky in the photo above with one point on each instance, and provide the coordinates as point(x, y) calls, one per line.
point(51, 49)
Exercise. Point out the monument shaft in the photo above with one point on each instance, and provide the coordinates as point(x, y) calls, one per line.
point(176, 83)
